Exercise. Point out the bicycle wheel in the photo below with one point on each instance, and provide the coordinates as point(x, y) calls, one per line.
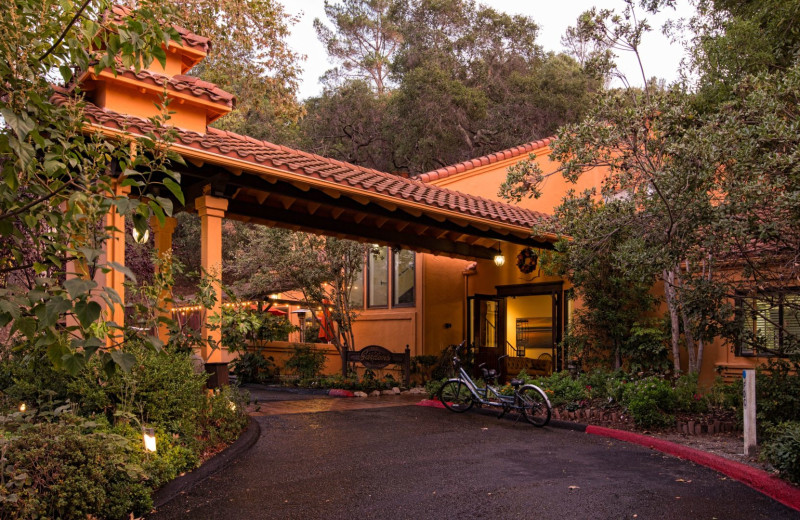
point(456, 396)
point(535, 406)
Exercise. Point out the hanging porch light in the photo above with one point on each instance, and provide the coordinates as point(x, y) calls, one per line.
point(499, 259)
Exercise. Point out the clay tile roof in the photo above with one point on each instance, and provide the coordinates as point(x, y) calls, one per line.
point(185, 84)
point(485, 160)
point(305, 164)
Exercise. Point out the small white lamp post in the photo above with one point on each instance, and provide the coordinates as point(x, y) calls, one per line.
point(149, 437)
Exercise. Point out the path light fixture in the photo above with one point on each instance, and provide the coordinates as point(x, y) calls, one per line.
point(499, 259)
point(149, 437)
point(23, 407)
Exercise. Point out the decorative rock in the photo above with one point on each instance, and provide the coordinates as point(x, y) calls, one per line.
point(690, 428)
point(386, 392)
point(375, 393)
point(418, 390)
point(395, 390)
point(360, 394)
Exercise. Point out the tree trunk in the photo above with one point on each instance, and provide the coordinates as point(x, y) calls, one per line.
point(691, 348)
point(669, 291)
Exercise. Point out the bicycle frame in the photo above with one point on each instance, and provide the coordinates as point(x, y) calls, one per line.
point(482, 395)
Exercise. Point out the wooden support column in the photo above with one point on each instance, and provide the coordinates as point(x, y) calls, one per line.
point(115, 252)
point(212, 211)
point(162, 241)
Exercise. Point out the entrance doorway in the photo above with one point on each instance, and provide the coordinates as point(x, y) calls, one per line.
point(521, 321)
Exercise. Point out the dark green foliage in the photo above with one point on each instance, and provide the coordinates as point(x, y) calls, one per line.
point(778, 393)
point(305, 361)
point(466, 80)
point(61, 472)
point(651, 402)
point(563, 390)
point(782, 450)
point(253, 367)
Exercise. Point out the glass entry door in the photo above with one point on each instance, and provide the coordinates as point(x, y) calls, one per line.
point(487, 328)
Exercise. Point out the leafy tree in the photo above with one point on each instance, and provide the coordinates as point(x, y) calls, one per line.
point(323, 269)
point(467, 80)
point(365, 39)
point(59, 182)
point(251, 59)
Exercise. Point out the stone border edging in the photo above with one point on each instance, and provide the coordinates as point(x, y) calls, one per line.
point(763, 482)
point(760, 480)
point(175, 487)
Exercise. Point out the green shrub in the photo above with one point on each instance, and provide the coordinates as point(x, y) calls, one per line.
point(778, 393)
point(433, 386)
point(563, 390)
point(161, 388)
point(253, 367)
point(688, 396)
point(306, 361)
point(782, 450)
point(223, 418)
point(651, 402)
point(57, 471)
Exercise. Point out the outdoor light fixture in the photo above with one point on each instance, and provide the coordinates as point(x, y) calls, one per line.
point(149, 436)
point(232, 406)
point(499, 259)
point(22, 407)
point(139, 237)
point(274, 296)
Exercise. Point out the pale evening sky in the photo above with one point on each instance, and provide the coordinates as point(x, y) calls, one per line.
point(661, 57)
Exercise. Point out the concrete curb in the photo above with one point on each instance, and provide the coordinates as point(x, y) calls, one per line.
point(760, 480)
point(214, 464)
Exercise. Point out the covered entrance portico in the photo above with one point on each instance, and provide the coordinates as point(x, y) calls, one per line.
point(230, 176)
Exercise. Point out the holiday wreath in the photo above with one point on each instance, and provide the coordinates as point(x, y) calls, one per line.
point(526, 260)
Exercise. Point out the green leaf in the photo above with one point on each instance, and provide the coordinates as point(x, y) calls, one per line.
point(124, 270)
point(124, 360)
point(56, 352)
point(78, 287)
point(22, 124)
point(87, 312)
point(73, 363)
point(175, 189)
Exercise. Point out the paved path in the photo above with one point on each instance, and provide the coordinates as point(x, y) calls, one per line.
point(412, 462)
point(271, 404)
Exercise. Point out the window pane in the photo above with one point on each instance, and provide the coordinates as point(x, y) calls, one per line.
point(357, 290)
point(765, 319)
point(378, 269)
point(403, 283)
point(791, 322)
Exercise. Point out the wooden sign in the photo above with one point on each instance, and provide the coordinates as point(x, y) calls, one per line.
point(377, 357)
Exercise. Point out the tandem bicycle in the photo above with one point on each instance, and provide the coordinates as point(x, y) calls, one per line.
point(461, 393)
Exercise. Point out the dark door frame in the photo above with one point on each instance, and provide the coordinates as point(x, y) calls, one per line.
point(556, 291)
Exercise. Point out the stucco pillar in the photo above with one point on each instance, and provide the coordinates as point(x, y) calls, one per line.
point(162, 241)
point(115, 252)
point(212, 211)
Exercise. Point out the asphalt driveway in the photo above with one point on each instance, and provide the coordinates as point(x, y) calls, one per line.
point(412, 462)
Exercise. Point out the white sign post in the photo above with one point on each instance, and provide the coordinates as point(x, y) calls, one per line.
point(749, 402)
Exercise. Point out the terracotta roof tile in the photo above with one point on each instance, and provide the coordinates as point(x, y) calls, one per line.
point(185, 84)
point(453, 169)
point(309, 165)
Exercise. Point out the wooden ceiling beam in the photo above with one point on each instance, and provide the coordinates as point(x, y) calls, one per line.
point(313, 224)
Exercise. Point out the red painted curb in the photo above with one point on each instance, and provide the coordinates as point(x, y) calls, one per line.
point(431, 403)
point(757, 479)
point(338, 392)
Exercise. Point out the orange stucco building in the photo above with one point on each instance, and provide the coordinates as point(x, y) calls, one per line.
point(432, 281)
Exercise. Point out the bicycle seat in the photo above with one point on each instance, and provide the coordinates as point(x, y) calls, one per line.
point(489, 374)
point(516, 382)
